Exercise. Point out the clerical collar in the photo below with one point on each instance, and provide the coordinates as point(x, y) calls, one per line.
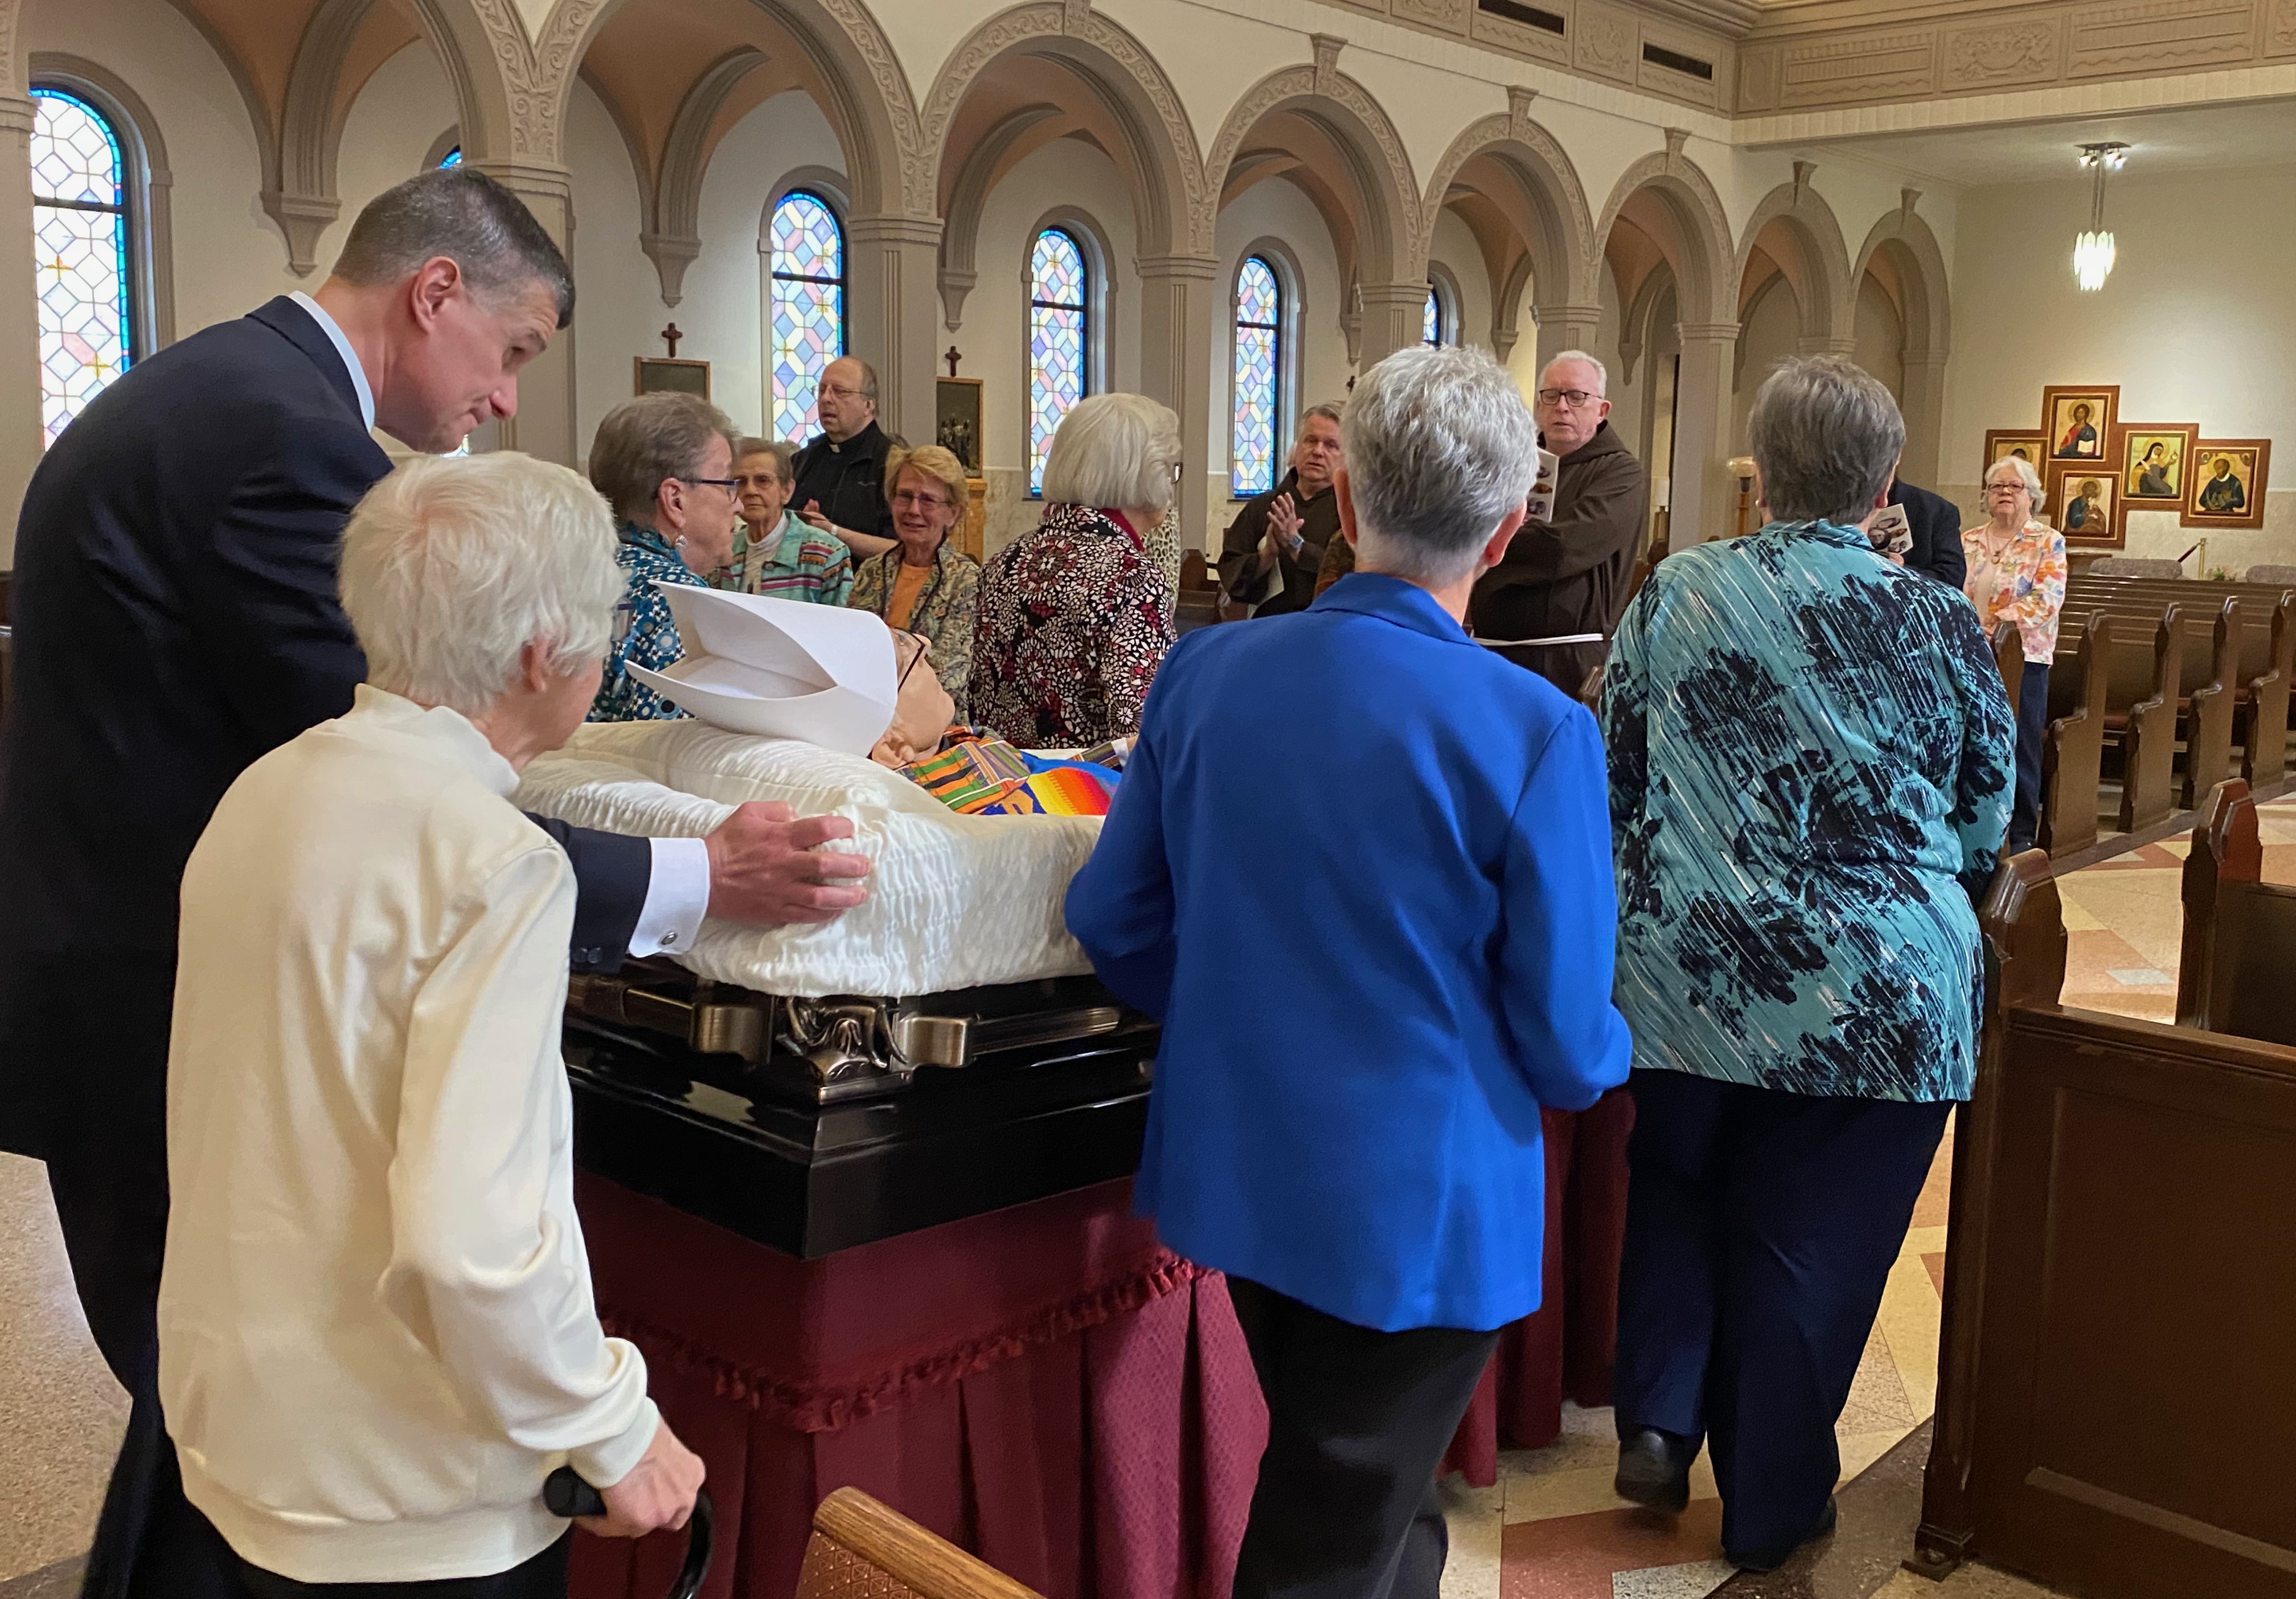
point(336, 337)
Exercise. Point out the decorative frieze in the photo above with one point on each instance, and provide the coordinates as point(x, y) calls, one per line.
point(1993, 55)
point(2161, 36)
point(1521, 38)
point(1449, 15)
point(1872, 67)
point(2280, 29)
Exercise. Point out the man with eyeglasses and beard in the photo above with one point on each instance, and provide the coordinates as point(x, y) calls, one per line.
point(1565, 578)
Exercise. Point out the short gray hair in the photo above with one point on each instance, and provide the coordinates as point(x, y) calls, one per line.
point(2030, 479)
point(1826, 436)
point(1441, 449)
point(461, 213)
point(782, 450)
point(1330, 413)
point(452, 565)
point(645, 440)
point(1114, 450)
point(868, 375)
point(1602, 373)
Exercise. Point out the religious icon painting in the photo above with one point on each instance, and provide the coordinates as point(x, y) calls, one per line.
point(2153, 457)
point(2001, 443)
point(2079, 421)
point(956, 420)
point(2224, 483)
point(2086, 505)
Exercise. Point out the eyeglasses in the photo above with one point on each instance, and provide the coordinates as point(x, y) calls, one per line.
point(922, 501)
point(730, 485)
point(1179, 468)
point(1570, 400)
point(835, 393)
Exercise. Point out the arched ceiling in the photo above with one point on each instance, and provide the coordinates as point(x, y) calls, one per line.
point(650, 54)
point(1300, 151)
point(1019, 105)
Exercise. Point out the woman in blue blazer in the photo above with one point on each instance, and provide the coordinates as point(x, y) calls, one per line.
point(1363, 1018)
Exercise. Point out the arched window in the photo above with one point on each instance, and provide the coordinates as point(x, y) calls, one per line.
point(1258, 362)
point(808, 263)
point(453, 158)
point(83, 246)
point(1431, 330)
point(1060, 297)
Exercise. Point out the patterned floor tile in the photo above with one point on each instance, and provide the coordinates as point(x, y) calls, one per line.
point(1696, 1580)
point(1579, 1557)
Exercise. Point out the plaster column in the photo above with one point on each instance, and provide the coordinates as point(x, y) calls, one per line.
point(22, 434)
point(1394, 318)
point(1562, 327)
point(1176, 367)
point(1703, 492)
point(894, 316)
point(544, 426)
point(1923, 405)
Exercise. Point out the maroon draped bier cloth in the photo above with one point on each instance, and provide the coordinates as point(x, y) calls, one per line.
point(1045, 1385)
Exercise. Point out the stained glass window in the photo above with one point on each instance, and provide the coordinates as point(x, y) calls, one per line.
point(1058, 317)
point(79, 251)
point(453, 158)
point(1258, 357)
point(808, 265)
point(1431, 325)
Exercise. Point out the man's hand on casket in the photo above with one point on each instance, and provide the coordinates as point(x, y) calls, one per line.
point(658, 1492)
point(765, 866)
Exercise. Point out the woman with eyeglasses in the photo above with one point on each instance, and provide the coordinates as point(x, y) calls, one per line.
point(921, 585)
point(665, 463)
point(1075, 616)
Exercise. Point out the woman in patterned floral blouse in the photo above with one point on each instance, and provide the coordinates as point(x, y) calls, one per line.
point(1811, 758)
point(1075, 616)
point(665, 463)
point(923, 586)
point(2017, 574)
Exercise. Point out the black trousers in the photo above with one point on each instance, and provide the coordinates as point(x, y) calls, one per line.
point(84, 1049)
point(541, 1578)
point(1357, 1421)
point(2032, 732)
point(1760, 1230)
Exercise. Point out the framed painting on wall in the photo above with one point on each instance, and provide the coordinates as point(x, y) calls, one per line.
point(2086, 507)
point(2079, 421)
point(2153, 457)
point(2001, 443)
point(2224, 483)
point(956, 420)
point(660, 374)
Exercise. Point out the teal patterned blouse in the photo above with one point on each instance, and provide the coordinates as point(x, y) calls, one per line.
point(644, 632)
point(1811, 759)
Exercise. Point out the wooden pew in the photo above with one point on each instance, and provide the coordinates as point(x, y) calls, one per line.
point(2148, 734)
point(2072, 753)
point(2240, 931)
point(2114, 1413)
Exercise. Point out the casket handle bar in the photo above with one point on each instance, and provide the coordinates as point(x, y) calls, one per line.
point(565, 1493)
point(707, 1026)
point(930, 1040)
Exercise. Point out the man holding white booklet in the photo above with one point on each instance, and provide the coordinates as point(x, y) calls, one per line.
point(1552, 603)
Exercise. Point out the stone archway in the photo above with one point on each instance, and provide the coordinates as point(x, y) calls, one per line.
point(1903, 241)
point(1795, 226)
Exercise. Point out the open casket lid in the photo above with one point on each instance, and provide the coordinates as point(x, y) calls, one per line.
point(780, 668)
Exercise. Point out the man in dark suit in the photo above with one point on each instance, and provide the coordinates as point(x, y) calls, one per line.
point(176, 618)
point(1936, 524)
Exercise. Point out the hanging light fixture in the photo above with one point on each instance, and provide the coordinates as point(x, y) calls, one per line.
point(2093, 251)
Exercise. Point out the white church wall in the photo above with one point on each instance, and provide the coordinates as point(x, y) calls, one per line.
point(2194, 324)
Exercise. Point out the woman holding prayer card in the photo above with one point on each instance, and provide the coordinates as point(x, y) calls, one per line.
point(1810, 764)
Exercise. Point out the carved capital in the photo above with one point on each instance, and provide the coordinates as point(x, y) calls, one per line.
point(1203, 268)
point(16, 113)
point(302, 217)
point(954, 287)
point(895, 229)
point(1707, 332)
point(672, 254)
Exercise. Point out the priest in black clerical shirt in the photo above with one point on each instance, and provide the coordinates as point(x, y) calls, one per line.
point(840, 474)
point(1276, 542)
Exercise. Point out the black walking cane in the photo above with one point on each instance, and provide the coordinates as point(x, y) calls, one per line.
point(567, 1494)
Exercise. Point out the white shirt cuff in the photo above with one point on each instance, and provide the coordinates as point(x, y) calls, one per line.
point(677, 897)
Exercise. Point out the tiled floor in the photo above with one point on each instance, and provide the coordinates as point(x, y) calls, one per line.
point(1550, 1530)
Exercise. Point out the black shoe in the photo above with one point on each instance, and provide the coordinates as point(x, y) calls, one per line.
point(1654, 1470)
point(1770, 1559)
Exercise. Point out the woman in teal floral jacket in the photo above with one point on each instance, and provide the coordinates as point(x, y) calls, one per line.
point(1810, 757)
